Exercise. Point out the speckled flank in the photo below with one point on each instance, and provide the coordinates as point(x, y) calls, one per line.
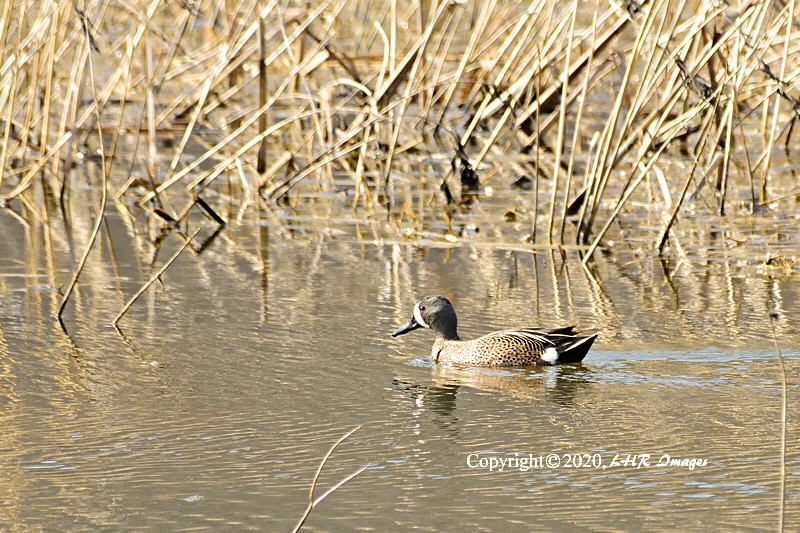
point(502, 348)
point(507, 348)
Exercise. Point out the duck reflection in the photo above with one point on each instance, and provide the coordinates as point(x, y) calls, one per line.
point(562, 384)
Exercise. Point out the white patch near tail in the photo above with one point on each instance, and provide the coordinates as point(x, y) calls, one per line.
point(550, 355)
point(418, 317)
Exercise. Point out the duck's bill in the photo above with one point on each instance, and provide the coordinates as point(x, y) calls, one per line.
point(411, 325)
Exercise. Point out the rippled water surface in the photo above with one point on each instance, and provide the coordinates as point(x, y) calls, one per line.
point(231, 378)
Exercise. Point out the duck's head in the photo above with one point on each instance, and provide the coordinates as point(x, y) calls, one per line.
point(433, 312)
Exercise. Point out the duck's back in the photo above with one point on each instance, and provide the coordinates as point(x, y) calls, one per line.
point(516, 348)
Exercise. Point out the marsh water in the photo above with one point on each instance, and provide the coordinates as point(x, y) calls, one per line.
point(229, 380)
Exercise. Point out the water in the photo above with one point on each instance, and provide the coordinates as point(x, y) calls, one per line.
point(229, 381)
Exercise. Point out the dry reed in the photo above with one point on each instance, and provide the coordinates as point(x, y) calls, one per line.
point(314, 502)
point(591, 100)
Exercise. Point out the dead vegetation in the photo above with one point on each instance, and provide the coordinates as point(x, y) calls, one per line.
point(410, 108)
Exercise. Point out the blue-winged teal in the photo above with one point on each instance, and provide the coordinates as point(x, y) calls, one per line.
point(529, 346)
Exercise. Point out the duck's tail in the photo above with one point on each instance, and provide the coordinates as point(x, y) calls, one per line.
point(569, 344)
point(572, 347)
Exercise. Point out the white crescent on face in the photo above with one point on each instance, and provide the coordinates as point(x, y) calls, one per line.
point(418, 317)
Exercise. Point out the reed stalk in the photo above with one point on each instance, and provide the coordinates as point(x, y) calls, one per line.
point(314, 502)
point(591, 105)
point(100, 216)
point(153, 278)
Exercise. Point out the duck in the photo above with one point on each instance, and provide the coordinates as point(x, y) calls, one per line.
point(509, 348)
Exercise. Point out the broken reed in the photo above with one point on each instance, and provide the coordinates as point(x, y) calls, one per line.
point(589, 99)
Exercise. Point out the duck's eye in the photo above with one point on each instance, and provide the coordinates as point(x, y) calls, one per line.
point(421, 307)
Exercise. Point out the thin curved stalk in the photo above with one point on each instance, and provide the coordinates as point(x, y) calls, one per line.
point(104, 194)
point(153, 278)
point(312, 503)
